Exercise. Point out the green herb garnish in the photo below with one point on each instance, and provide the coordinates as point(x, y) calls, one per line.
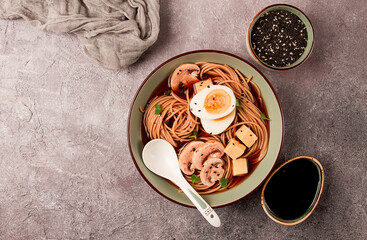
point(238, 104)
point(223, 182)
point(263, 116)
point(194, 135)
point(168, 92)
point(194, 178)
point(158, 109)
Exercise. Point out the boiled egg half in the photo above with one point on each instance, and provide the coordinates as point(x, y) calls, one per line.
point(215, 106)
point(217, 126)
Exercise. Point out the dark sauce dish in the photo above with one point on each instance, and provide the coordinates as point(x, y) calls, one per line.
point(292, 191)
point(280, 37)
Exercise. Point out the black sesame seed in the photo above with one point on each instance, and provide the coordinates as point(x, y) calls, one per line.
point(193, 149)
point(202, 154)
point(275, 35)
point(208, 86)
point(218, 174)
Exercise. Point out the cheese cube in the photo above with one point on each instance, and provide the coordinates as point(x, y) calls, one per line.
point(246, 136)
point(240, 166)
point(202, 84)
point(234, 149)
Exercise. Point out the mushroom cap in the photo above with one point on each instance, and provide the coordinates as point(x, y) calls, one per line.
point(212, 171)
point(186, 155)
point(184, 77)
point(209, 149)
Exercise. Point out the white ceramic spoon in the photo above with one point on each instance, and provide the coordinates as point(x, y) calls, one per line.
point(160, 157)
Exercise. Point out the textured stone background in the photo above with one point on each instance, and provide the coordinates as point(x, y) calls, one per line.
point(65, 168)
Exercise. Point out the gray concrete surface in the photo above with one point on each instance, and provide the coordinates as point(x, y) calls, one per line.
point(65, 168)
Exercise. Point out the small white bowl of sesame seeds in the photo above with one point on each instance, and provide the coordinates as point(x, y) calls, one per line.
point(280, 37)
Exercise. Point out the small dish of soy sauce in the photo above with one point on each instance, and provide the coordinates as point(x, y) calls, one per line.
point(292, 191)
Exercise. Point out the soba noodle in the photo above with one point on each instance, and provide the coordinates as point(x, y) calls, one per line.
point(177, 124)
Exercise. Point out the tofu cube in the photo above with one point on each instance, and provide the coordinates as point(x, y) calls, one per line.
point(246, 136)
point(240, 166)
point(202, 84)
point(234, 149)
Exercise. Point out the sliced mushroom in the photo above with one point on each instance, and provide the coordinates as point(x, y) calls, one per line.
point(212, 149)
point(186, 156)
point(184, 77)
point(212, 171)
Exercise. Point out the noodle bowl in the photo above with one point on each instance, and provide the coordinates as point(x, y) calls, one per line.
point(176, 123)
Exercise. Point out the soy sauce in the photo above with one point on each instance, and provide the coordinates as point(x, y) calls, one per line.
point(292, 189)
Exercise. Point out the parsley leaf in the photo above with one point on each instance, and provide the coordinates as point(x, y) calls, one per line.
point(223, 182)
point(195, 135)
point(194, 178)
point(238, 104)
point(168, 92)
point(158, 109)
point(263, 116)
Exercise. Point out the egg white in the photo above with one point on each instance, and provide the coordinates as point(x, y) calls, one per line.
point(217, 126)
point(197, 103)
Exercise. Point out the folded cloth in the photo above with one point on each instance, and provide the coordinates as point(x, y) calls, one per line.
point(113, 32)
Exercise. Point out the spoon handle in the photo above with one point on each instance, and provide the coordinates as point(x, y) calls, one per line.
point(204, 208)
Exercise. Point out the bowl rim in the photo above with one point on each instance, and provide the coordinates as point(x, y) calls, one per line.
point(155, 70)
point(314, 202)
point(252, 52)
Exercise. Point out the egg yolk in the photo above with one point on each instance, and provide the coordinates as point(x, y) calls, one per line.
point(217, 101)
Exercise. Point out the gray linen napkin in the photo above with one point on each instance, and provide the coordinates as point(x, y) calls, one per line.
point(113, 32)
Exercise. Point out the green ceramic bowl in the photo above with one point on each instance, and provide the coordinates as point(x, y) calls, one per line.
point(160, 74)
point(304, 19)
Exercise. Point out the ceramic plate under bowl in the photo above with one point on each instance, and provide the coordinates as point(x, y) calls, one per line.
point(160, 74)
